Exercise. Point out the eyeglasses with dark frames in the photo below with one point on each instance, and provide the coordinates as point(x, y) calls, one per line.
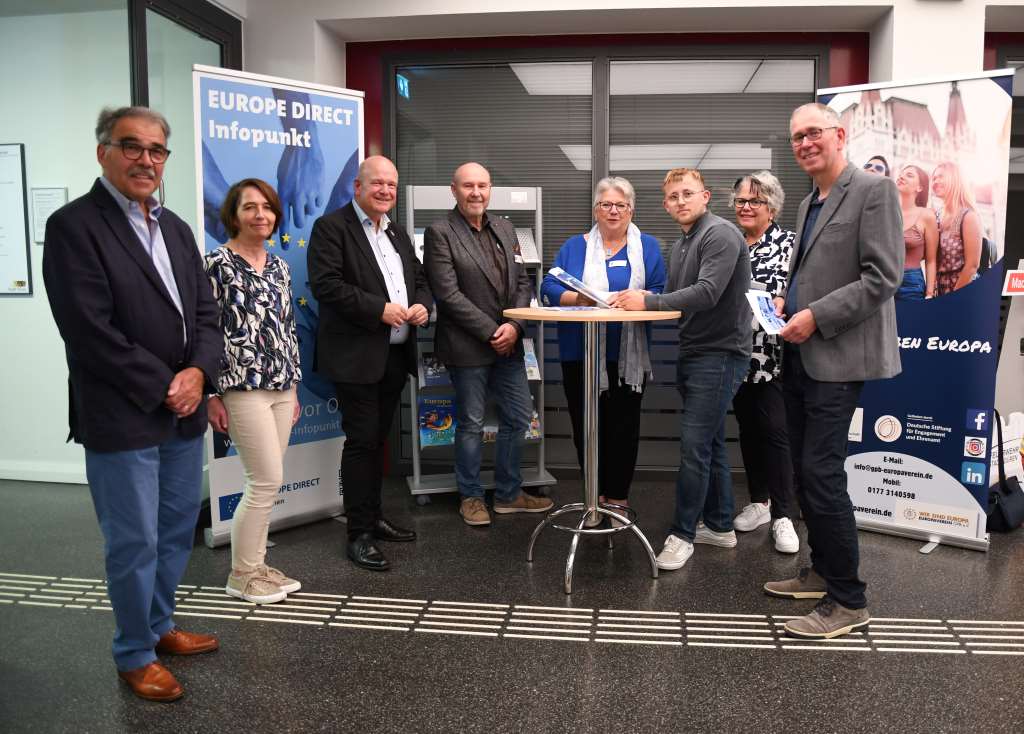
point(133, 150)
point(754, 204)
point(619, 206)
point(813, 134)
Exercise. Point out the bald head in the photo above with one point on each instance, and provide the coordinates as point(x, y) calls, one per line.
point(376, 186)
point(471, 185)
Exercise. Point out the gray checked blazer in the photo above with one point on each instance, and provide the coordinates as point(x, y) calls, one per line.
point(469, 309)
point(851, 266)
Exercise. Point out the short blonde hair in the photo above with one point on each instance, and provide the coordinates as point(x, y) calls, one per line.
point(678, 174)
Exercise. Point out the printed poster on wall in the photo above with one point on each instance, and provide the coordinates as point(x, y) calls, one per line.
point(305, 140)
point(918, 458)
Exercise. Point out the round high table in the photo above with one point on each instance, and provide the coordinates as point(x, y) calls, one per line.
point(591, 318)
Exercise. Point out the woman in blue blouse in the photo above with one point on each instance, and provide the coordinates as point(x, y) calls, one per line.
point(613, 256)
point(257, 403)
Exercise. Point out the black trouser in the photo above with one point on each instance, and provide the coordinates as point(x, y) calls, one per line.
point(764, 442)
point(818, 418)
point(618, 427)
point(366, 415)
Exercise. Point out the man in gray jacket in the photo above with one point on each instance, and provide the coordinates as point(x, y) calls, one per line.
point(709, 275)
point(475, 273)
point(847, 264)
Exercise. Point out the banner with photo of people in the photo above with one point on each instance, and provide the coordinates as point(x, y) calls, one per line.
point(305, 140)
point(918, 459)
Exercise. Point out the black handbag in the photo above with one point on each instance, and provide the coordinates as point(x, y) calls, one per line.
point(1006, 498)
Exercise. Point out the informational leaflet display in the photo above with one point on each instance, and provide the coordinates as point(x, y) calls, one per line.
point(15, 268)
point(918, 458)
point(305, 140)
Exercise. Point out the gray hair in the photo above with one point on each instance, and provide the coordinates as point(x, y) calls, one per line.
point(763, 184)
point(618, 183)
point(110, 116)
point(830, 114)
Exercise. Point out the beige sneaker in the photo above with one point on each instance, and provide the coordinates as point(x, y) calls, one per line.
point(806, 585)
point(828, 620)
point(474, 511)
point(288, 586)
point(524, 503)
point(255, 588)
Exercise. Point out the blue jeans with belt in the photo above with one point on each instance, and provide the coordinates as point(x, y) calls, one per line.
point(147, 503)
point(707, 384)
point(912, 287)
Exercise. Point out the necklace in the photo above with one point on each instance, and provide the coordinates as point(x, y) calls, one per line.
point(610, 249)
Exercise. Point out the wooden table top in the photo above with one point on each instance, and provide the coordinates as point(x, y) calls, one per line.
point(588, 314)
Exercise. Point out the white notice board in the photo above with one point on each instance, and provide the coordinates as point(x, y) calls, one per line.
point(15, 269)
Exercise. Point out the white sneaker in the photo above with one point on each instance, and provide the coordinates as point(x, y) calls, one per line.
point(710, 537)
point(753, 516)
point(786, 539)
point(675, 554)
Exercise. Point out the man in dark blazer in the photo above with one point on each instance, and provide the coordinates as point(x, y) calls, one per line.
point(372, 293)
point(475, 273)
point(133, 304)
point(846, 266)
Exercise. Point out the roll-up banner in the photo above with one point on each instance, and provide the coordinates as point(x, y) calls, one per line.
point(305, 140)
point(918, 457)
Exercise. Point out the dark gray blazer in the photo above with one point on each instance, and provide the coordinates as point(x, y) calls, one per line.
point(469, 310)
point(851, 266)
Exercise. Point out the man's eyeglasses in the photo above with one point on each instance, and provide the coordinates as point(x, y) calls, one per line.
point(813, 134)
point(754, 204)
point(133, 150)
point(876, 167)
point(683, 196)
point(619, 206)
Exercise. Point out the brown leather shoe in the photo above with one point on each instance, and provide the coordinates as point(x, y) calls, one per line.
point(152, 682)
point(180, 642)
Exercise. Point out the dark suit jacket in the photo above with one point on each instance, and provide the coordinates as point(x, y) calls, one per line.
point(352, 343)
point(851, 267)
point(469, 309)
point(121, 330)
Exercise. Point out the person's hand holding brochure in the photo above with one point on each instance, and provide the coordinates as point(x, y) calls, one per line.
point(764, 311)
point(574, 283)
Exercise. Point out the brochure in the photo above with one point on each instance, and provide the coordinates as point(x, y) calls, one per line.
point(432, 372)
point(764, 311)
point(530, 359)
point(436, 420)
point(574, 283)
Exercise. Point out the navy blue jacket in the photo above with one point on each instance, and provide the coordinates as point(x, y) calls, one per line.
point(122, 332)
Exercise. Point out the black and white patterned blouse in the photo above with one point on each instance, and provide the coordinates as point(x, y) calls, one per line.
point(769, 265)
point(261, 350)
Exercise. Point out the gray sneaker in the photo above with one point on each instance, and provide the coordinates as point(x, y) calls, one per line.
point(828, 620)
point(806, 585)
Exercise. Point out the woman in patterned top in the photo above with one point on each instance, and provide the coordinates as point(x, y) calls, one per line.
point(257, 402)
point(920, 234)
point(960, 231)
point(760, 411)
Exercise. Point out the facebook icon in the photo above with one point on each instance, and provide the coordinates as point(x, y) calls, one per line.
point(977, 420)
point(972, 472)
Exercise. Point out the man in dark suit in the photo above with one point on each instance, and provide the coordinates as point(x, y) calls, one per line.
point(475, 274)
point(372, 293)
point(846, 266)
point(132, 302)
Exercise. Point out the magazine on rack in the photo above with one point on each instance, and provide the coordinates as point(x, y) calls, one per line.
point(574, 283)
point(530, 359)
point(432, 372)
point(436, 418)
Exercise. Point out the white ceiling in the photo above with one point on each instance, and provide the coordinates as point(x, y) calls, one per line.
point(708, 157)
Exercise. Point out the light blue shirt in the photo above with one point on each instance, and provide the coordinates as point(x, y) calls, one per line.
point(390, 264)
point(147, 229)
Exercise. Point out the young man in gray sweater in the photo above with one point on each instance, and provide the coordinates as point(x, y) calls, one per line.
point(709, 275)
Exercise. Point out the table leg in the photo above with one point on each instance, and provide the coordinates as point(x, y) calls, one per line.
point(591, 397)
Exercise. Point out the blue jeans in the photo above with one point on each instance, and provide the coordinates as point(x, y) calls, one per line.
point(707, 384)
point(912, 287)
point(147, 502)
point(505, 381)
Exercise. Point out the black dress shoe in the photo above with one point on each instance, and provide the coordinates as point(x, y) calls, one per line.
point(383, 530)
point(364, 553)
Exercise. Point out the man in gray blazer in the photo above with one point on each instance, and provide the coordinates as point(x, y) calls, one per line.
point(847, 264)
point(475, 274)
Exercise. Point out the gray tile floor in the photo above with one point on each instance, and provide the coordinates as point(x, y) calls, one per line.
point(56, 675)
